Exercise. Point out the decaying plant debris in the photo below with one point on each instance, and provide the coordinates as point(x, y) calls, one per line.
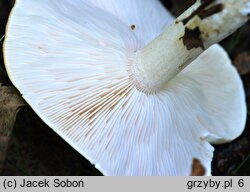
point(10, 104)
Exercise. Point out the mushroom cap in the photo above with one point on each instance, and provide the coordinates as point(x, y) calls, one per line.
point(69, 59)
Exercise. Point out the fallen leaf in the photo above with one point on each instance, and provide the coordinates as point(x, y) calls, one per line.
point(10, 103)
point(197, 168)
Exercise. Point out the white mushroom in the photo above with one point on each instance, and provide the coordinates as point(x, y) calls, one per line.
point(97, 74)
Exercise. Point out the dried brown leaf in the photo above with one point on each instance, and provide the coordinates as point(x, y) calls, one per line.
point(197, 168)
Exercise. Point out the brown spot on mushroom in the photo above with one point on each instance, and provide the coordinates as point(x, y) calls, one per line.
point(132, 27)
point(197, 168)
point(204, 10)
point(242, 63)
point(181, 67)
point(192, 38)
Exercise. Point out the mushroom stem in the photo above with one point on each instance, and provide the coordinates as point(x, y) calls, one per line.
point(202, 25)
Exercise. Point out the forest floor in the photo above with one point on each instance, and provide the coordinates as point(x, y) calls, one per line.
point(36, 150)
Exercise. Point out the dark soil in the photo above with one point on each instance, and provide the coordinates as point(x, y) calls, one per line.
point(36, 150)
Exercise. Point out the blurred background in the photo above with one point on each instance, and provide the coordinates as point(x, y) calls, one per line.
point(34, 149)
